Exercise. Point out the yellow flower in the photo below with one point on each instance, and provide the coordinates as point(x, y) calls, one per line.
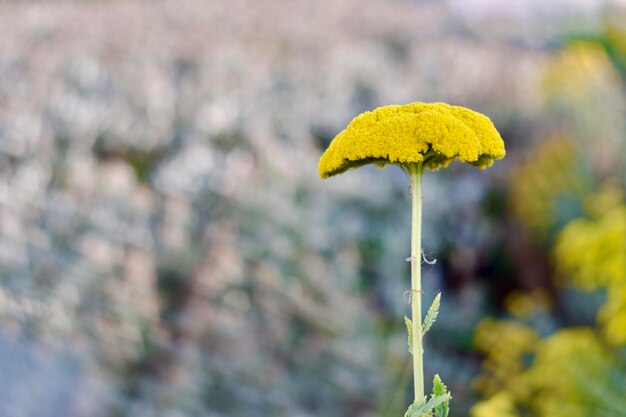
point(505, 344)
point(431, 133)
point(578, 71)
point(592, 253)
point(549, 177)
point(568, 367)
point(569, 370)
point(499, 405)
point(609, 196)
point(525, 305)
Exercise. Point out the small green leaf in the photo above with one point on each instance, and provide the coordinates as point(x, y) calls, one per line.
point(426, 408)
point(409, 328)
point(431, 315)
point(440, 389)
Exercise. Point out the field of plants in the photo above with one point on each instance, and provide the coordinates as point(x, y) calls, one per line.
point(168, 248)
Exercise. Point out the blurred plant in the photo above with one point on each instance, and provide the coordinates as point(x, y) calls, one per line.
point(416, 136)
point(499, 405)
point(578, 71)
point(592, 253)
point(506, 345)
point(612, 40)
point(586, 368)
point(573, 373)
point(569, 195)
point(525, 305)
point(583, 86)
point(554, 176)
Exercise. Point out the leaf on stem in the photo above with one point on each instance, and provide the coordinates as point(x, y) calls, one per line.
point(431, 315)
point(440, 389)
point(426, 408)
point(409, 328)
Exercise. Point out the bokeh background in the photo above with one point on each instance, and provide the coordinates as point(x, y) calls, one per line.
point(167, 248)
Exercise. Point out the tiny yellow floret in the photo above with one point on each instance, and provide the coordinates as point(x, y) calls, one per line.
point(431, 133)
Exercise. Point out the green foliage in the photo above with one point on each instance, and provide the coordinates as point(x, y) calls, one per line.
point(431, 315)
point(426, 408)
point(409, 328)
point(429, 320)
point(437, 406)
point(440, 389)
point(611, 40)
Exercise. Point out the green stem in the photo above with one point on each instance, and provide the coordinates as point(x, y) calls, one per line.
point(415, 172)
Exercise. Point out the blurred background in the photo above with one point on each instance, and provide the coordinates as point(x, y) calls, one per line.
point(168, 249)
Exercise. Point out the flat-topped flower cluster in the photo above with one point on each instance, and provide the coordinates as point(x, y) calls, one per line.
point(431, 133)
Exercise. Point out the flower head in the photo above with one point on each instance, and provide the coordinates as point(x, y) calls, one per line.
point(431, 133)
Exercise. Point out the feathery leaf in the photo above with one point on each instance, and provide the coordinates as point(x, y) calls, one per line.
point(409, 328)
point(431, 315)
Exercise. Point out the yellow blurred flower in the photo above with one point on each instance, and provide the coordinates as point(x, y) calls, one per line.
point(525, 305)
point(578, 70)
point(547, 175)
point(592, 253)
point(556, 384)
point(565, 366)
point(505, 344)
point(609, 197)
point(432, 133)
point(499, 405)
